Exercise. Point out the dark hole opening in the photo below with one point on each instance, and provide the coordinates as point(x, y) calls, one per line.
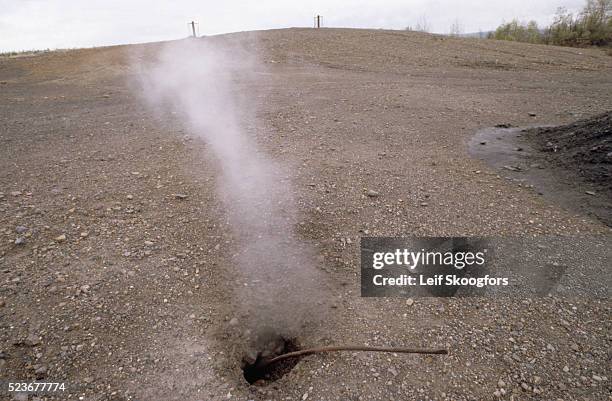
point(259, 373)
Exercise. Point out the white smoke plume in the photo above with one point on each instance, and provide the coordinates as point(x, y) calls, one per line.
point(197, 79)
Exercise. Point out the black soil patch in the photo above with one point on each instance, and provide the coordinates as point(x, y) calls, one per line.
point(570, 165)
point(258, 373)
point(584, 147)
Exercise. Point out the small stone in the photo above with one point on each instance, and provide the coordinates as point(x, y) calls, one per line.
point(148, 243)
point(2, 303)
point(501, 383)
point(41, 371)
point(566, 369)
point(60, 238)
point(483, 142)
point(532, 114)
point(20, 396)
point(305, 397)
point(372, 194)
point(597, 378)
point(84, 234)
point(15, 193)
point(525, 386)
point(130, 197)
point(21, 229)
point(251, 356)
point(180, 196)
point(233, 322)
point(20, 241)
point(537, 380)
point(410, 302)
point(590, 193)
point(519, 149)
point(32, 340)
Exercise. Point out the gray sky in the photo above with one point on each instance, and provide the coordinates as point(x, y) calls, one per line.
point(41, 24)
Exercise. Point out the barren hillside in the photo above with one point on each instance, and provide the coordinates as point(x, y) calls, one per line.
point(117, 262)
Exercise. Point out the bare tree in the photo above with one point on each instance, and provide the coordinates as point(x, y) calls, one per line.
point(422, 24)
point(600, 8)
point(456, 28)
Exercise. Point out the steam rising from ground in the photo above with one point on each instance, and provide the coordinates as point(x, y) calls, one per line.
point(198, 79)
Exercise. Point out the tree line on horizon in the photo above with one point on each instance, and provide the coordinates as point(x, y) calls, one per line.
point(591, 27)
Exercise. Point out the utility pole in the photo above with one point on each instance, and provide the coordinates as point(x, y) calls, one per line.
point(318, 21)
point(193, 31)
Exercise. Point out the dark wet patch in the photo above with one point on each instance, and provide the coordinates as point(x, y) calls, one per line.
point(584, 147)
point(517, 154)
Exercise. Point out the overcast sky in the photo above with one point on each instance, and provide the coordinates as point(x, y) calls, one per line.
point(42, 24)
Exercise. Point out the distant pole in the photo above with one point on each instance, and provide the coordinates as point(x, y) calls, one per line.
point(318, 19)
point(192, 23)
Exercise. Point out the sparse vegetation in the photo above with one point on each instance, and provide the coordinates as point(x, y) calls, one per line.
point(22, 53)
point(519, 32)
point(591, 27)
point(422, 25)
point(456, 28)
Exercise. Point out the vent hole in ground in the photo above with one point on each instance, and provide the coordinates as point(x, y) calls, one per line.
point(259, 373)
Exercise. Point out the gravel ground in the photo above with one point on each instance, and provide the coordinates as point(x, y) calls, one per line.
point(116, 257)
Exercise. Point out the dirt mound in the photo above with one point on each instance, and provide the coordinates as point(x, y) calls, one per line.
point(584, 146)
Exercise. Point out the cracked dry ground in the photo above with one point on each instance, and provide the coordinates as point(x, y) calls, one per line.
point(124, 290)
